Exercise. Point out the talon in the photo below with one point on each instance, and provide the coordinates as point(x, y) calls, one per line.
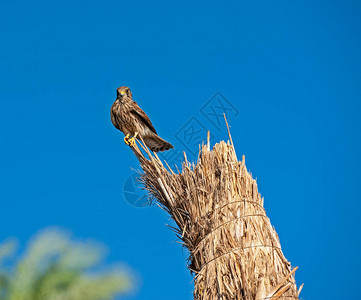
point(126, 139)
point(131, 141)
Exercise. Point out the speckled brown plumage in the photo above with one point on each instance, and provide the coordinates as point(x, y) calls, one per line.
point(129, 118)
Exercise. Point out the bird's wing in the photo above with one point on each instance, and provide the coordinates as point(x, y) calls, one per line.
point(143, 117)
point(113, 116)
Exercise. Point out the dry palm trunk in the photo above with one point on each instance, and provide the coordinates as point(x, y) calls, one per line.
point(235, 252)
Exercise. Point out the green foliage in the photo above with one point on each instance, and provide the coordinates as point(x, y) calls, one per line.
point(57, 267)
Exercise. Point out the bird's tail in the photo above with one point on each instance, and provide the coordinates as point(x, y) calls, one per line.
point(156, 143)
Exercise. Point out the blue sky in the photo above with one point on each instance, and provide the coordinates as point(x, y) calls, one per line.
point(291, 70)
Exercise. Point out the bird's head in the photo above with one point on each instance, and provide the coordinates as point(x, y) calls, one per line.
point(123, 92)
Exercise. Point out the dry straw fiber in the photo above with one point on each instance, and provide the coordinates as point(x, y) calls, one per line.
point(234, 251)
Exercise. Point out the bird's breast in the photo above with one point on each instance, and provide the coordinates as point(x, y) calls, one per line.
point(124, 120)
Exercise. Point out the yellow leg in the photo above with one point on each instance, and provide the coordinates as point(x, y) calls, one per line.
point(132, 140)
point(126, 139)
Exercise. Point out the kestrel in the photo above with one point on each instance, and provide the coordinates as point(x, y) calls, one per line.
point(130, 119)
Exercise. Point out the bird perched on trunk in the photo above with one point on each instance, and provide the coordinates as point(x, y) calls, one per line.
point(130, 119)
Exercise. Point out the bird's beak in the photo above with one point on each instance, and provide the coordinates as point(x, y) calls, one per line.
point(120, 94)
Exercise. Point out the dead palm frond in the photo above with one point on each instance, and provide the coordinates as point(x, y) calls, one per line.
point(234, 251)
